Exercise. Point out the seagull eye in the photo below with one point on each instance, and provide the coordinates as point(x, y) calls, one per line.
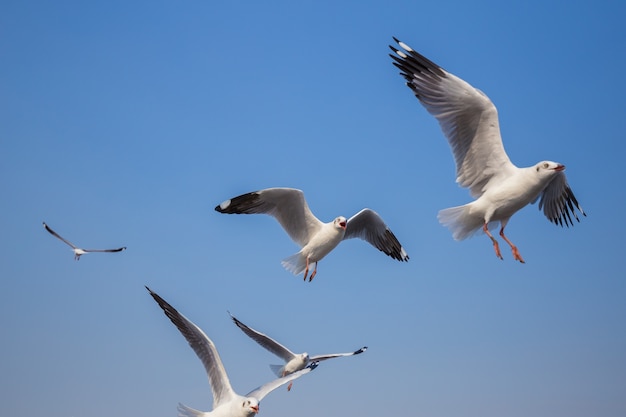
point(546, 165)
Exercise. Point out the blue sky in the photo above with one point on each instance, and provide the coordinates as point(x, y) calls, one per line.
point(126, 123)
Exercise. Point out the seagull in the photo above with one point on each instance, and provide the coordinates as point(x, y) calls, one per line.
point(78, 252)
point(315, 238)
point(469, 121)
point(226, 402)
point(293, 361)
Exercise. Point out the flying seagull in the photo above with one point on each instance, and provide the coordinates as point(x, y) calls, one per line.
point(79, 251)
point(316, 238)
point(226, 402)
point(469, 121)
point(293, 361)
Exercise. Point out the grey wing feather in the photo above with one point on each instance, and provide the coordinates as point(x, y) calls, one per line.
point(319, 358)
point(106, 250)
point(265, 341)
point(58, 236)
point(558, 202)
point(260, 392)
point(369, 226)
point(467, 117)
point(205, 350)
point(286, 205)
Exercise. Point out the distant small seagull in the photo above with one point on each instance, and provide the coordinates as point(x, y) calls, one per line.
point(316, 238)
point(293, 361)
point(226, 402)
point(78, 251)
point(469, 121)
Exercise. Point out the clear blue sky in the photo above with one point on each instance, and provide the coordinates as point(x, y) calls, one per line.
point(125, 123)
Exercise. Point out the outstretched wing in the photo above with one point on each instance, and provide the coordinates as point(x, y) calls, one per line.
point(287, 205)
point(204, 348)
point(319, 358)
point(468, 118)
point(265, 341)
point(58, 236)
point(369, 226)
point(106, 250)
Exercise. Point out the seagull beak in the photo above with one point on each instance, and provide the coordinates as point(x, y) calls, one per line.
point(343, 225)
point(255, 408)
point(559, 168)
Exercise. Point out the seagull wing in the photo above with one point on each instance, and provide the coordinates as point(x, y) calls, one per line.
point(265, 341)
point(58, 236)
point(369, 226)
point(106, 250)
point(558, 202)
point(287, 205)
point(260, 392)
point(319, 358)
point(204, 348)
point(468, 118)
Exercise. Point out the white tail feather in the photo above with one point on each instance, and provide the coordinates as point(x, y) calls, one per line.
point(296, 263)
point(460, 221)
point(184, 411)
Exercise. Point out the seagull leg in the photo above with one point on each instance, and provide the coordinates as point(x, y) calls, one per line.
point(289, 386)
point(496, 247)
point(306, 271)
point(314, 272)
point(516, 254)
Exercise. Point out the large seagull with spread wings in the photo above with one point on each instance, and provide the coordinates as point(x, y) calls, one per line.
point(469, 121)
point(315, 237)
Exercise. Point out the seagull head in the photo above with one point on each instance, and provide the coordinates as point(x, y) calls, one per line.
point(340, 222)
point(251, 406)
point(549, 167)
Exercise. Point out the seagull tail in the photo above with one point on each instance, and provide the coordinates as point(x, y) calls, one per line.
point(184, 411)
point(277, 369)
point(460, 221)
point(296, 263)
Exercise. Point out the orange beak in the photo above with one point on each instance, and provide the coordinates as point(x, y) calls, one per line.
point(560, 167)
point(255, 408)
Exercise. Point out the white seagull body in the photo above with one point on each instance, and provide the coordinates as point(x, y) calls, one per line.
point(315, 237)
point(469, 121)
point(78, 252)
point(226, 402)
point(293, 361)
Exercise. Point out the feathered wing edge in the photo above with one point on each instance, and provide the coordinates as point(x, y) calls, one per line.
point(558, 202)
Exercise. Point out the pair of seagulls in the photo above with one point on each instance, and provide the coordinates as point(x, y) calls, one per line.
point(469, 121)
point(226, 402)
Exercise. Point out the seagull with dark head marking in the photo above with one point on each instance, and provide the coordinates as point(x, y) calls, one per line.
point(293, 361)
point(315, 238)
point(78, 252)
point(469, 121)
point(226, 402)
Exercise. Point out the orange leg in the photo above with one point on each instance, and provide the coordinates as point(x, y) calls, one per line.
point(496, 247)
point(516, 254)
point(306, 271)
point(314, 272)
point(289, 386)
